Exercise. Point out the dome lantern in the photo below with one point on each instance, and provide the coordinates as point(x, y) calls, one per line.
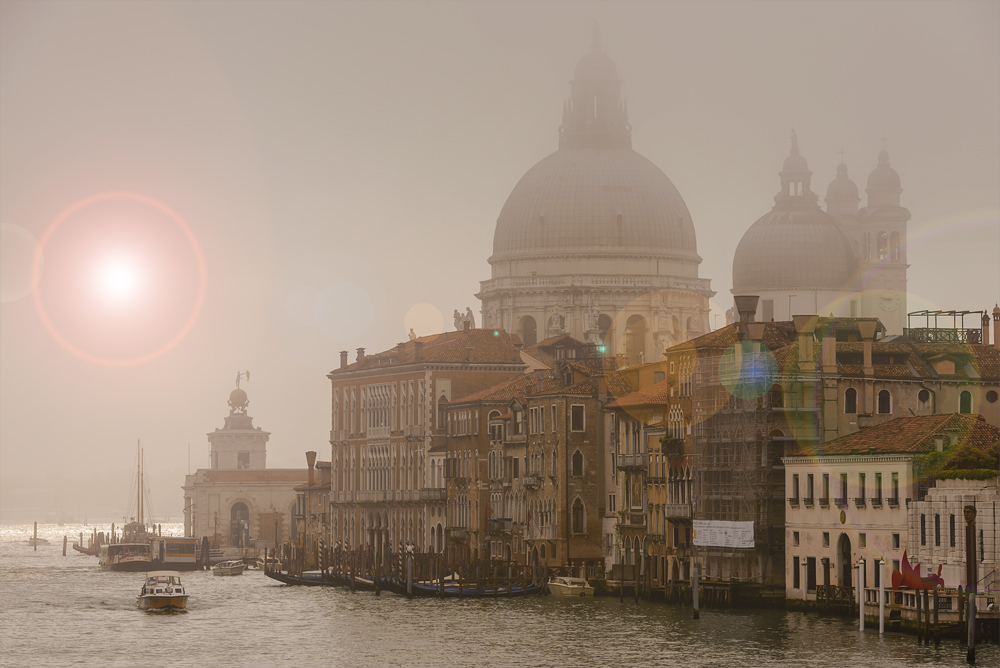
point(883, 183)
point(795, 178)
point(842, 194)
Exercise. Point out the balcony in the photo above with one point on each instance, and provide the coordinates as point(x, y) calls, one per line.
point(433, 494)
point(633, 520)
point(893, 502)
point(656, 480)
point(677, 511)
point(633, 461)
point(809, 502)
point(532, 481)
point(859, 502)
point(840, 503)
point(499, 525)
point(458, 534)
point(824, 503)
point(413, 431)
point(793, 502)
point(876, 502)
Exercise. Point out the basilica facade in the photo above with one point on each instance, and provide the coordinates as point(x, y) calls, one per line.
point(844, 261)
point(595, 241)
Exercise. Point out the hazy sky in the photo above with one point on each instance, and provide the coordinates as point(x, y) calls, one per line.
point(360, 153)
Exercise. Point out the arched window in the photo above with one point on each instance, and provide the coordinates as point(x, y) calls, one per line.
point(529, 331)
point(894, 250)
point(578, 463)
point(851, 400)
point(604, 323)
point(884, 402)
point(883, 246)
point(578, 523)
point(777, 398)
point(635, 338)
point(965, 402)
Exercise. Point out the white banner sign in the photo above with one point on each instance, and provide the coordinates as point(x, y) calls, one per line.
point(716, 533)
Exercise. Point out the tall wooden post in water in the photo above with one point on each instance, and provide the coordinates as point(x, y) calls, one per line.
point(695, 568)
point(971, 578)
point(35, 540)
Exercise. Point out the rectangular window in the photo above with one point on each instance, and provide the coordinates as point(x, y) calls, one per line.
point(795, 573)
point(795, 487)
point(576, 418)
point(243, 460)
point(795, 538)
point(878, 487)
point(611, 503)
point(895, 541)
point(862, 540)
point(553, 423)
point(923, 529)
point(895, 487)
point(951, 531)
point(826, 539)
point(861, 485)
point(843, 487)
point(937, 531)
point(811, 573)
point(878, 574)
point(809, 487)
point(826, 487)
point(895, 564)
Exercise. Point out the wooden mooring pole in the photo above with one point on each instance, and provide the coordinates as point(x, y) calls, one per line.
point(64, 546)
point(35, 540)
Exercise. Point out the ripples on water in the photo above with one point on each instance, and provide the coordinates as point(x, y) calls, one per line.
point(60, 611)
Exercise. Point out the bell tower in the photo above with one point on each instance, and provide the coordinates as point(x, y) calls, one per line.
point(239, 445)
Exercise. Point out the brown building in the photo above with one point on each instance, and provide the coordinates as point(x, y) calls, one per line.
point(388, 432)
point(312, 509)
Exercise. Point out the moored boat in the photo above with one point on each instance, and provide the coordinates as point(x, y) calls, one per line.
point(561, 586)
point(162, 591)
point(234, 567)
point(132, 557)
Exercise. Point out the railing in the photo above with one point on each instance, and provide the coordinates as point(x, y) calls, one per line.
point(809, 501)
point(876, 502)
point(859, 501)
point(378, 432)
point(633, 520)
point(840, 503)
point(633, 461)
point(677, 511)
point(458, 533)
point(893, 502)
point(793, 502)
point(532, 481)
point(433, 494)
point(499, 525)
point(824, 502)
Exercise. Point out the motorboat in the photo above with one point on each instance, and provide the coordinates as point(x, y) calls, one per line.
point(125, 557)
point(561, 586)
point(162, 591)
point(233, 567)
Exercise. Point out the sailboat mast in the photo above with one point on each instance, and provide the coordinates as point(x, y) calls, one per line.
point(138, 458)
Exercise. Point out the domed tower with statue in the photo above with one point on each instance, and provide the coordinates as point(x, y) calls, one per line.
point(595, 241)
point(239, 445)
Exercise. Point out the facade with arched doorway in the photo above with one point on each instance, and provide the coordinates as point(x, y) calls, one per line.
point(238, 501)
point(595, 241)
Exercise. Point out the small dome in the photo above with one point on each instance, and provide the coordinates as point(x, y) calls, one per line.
point(596, 65)
point(238, 398)
point(795, 162)
point(794, 248)
point(842, 187)
point(883, 178)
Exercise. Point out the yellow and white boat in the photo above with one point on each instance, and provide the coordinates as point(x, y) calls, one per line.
point(163, 591)
point(561, 586)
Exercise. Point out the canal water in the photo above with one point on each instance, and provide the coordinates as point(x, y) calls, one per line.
point(63, 611)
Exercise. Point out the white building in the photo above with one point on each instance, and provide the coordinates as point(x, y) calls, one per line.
point(240, 501)
point(595, 241)
point(853, 497)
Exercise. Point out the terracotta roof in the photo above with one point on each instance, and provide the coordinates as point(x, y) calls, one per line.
point(316, 485)
point(776, 335)
point(518, 386)
point(909, 435)
point(489, 346)
point(654, 395)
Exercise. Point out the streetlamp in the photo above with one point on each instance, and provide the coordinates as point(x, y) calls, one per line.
point(790, 306)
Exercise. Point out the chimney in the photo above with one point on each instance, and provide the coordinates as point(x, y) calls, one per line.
point(539, 378)
point(756, 330)
point(343, 359)
point(867, 328)
point(996, 327)
point(466, 325)
point(418, 350)
point(311, 464)
point(805, 325)
point(746, 305)
point(361, 355)
point(400, 352)
point(469, 350)
point(830, 349)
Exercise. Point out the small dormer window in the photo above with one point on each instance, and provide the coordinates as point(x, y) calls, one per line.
point(569, 377)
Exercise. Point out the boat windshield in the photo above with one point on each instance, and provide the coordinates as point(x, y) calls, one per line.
point(162, 581)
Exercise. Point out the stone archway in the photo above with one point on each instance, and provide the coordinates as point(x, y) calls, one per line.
point(239, 524)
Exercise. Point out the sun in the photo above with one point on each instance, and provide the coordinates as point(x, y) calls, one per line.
point(118, 279)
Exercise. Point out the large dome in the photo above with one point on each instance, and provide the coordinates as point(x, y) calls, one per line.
point(594, 200)
point(794, 249)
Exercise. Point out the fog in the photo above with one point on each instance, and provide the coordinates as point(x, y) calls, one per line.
point(366, 150)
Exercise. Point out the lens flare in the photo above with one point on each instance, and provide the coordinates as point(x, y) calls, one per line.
point(118, 279)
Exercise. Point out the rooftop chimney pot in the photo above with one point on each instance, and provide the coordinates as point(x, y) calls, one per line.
point(343, 359)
